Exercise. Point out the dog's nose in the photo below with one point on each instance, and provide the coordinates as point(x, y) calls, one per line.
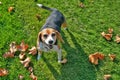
point(50, 42)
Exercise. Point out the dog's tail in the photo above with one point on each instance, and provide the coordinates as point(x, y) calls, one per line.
point(44, 7)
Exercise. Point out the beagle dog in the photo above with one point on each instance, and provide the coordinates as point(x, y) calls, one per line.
point(50, 33)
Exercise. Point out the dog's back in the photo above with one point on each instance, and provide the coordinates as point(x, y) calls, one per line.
point(55, 20)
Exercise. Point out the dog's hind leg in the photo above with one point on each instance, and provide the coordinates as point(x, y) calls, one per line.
point(64, 25)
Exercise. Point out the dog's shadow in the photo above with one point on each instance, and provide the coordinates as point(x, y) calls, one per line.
point(77, 67)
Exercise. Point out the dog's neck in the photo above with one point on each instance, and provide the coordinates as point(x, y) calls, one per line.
point(45, 46)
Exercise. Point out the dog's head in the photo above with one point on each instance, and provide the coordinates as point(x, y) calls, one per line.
point(49, 36)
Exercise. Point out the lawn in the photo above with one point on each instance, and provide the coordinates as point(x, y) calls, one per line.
point(82, 38)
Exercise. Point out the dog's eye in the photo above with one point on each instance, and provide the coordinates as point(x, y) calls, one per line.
point(53, 34)
point(45, 35)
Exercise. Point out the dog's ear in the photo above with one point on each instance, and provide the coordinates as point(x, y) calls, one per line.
point(59, 37)
point(38, 39)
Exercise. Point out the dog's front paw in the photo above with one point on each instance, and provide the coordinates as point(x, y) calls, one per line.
point(59, 61)
point(63, 61)
point(38, 57)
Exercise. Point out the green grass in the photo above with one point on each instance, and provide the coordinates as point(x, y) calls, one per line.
point(83, 38)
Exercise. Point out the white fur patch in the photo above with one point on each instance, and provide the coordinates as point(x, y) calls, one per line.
point(49, 39)
point(40, 5)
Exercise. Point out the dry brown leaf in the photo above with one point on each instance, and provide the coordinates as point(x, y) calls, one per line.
point(64, 61)
point(33, 76)
point(81, 5)
point(93, 59)
point(22, 55)
point(8, 55)
point(107, 36)
point(10, 9)
point(107, 77)
point(110, 30)
point(38, 16)
point(26, 62)
point(112, 56)
point(12, 50)
point(103, 34)
point(33, 50)
point(100, 55)
point(22, 47)
point(13, 47)
point(21, 77)
point(3, 72)
point(117, 38)
point(30, 69)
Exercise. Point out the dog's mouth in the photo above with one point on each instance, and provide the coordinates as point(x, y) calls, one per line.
point(50, 46)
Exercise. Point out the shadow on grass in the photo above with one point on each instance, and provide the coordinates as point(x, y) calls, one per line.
point(78, 66)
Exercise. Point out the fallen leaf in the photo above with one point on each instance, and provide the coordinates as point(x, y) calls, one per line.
point(22, 55)
point(10, 9)
point(33, 76)
point(107, 36)
point(3, 72)
point(22, 47)
point(100, 55)
point(13, 47)
point(27, 59)
point(110, 30)
point(33, 50)
point(93, 59)
point(107, 77)
point(8, 55)
point(112, 56)
point(26, 62)
point(38, 16)
point(30, 69)
point(64, 61)
point(81, 5)
point(21, 77)
point(117, 38)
